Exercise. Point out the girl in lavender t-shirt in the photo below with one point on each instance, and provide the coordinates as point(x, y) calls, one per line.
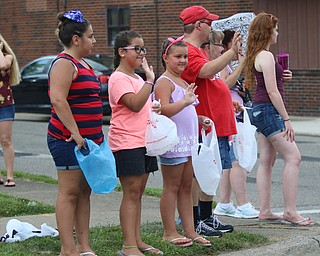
point(178, 103)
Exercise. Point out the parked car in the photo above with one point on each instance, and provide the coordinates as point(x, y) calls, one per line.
point(108, 62)
point(31, 95)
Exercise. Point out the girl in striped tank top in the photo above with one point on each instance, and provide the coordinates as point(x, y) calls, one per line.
point(76, 114)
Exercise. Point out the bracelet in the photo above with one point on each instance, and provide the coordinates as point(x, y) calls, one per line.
point(286, 120)
point(148, 82)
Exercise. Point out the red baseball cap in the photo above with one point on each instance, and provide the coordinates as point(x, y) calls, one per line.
point(194, 13)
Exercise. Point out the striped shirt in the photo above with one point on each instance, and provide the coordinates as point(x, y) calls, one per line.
point(85, 104)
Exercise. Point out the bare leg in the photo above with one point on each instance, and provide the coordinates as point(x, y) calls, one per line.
point(68, 194)
point(204, 197)
point(6, 143)
point(172, 178)
point(238, 183)
point(225, 187)
point(142, 245)
point(82, 217)
point(292, 158)
point(195, 192)
point(184, 203)
point(264, 175)
point(138, 220)
point(130, 211)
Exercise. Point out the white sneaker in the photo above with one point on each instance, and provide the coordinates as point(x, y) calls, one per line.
point(246, 211)
point(225, 209)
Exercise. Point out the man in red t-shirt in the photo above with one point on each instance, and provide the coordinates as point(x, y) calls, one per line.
point(215, 103)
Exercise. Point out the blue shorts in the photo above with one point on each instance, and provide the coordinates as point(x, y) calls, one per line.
point(267, 119)
point(173, 161)
point(63, 153)
point(134, 162)
point(231, 154)
point(7, 113)
point(224, 148)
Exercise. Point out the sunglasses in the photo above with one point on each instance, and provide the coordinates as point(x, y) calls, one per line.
point(138, 49)
point(206, 21)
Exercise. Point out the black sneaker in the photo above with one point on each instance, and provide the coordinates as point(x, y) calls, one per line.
point(216, 224)
point(203, 229)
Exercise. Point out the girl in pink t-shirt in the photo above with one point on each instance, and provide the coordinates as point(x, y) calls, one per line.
point(130, 102)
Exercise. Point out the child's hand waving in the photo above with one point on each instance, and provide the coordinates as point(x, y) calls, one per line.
point(190, 96)
point(148, 70)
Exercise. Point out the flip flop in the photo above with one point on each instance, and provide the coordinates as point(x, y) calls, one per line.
point(196, 240)
point(8, 181)
point(271, 220)
point(120, 252)
point(298, 223)
point(179, 241)
point(147, 250)
point(1, 182)
point(87, 253)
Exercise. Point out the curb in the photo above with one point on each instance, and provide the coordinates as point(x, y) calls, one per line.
point(297, 246)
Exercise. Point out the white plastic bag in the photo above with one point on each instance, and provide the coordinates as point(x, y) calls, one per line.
point(206, 162)
point(245, 144)
point(161, 134)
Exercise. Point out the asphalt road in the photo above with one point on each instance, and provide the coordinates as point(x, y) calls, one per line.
point(32, 156)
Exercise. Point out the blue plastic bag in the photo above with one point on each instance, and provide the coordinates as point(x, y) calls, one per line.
point(98, 166)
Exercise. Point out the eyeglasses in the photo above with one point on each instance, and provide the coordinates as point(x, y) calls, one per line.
point(206, 21)
point(138, 49)
point(221, 45)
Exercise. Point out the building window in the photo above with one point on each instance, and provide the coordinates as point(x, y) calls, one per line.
point(118, 20)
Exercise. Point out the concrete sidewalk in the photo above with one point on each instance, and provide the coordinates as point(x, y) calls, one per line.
point(286, 240)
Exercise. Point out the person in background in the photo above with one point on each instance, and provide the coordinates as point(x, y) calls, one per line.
point(178, 103)
point(76, 114)
point(215, 101)
point(130, 102)
point(9, 76)
point(237, 174)
point(275, 131)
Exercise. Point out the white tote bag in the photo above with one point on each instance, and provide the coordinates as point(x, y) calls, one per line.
point(206, 162)
point(245, 144)
point(161, 134)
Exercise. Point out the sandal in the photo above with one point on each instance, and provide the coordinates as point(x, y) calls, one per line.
point(149, 249)
point(10, 183)
point(196, 240)
point(306, 222)
point(120, 252)
point(181, 241)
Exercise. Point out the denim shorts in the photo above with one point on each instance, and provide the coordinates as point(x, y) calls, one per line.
point(267, 119)
point(7, 113)
point(231, 154)
point(173, 161)
point(224, 149)
point(134, 162)
point(63, 153)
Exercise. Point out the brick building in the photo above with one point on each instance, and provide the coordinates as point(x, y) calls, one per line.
point(29, 27)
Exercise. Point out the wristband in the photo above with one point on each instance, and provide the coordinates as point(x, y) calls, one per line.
point(286, 120)
point(148, 82)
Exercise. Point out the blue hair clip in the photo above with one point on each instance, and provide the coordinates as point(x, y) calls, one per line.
point(76, 16)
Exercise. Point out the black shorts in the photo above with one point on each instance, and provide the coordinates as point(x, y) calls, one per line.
point(134, 162)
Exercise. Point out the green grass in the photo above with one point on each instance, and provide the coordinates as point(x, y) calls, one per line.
point(32, 177)
point(14, 206)
point(107, 240)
